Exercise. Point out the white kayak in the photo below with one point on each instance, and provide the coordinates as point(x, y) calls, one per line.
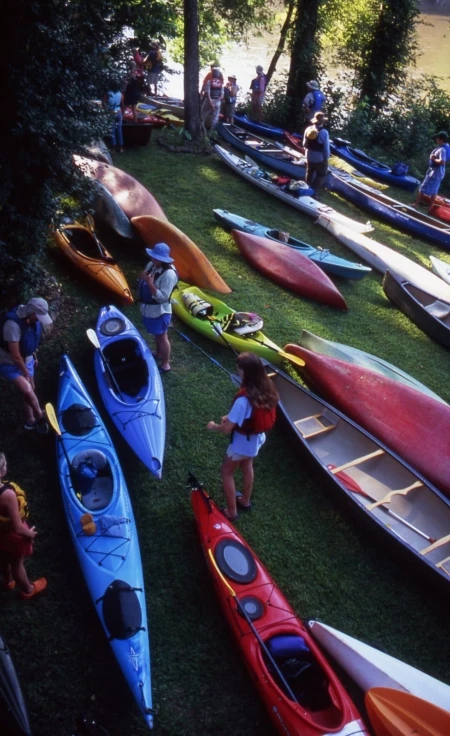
point(369, 667)
point(440, 268)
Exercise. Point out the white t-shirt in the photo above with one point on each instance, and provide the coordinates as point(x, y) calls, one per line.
point(240, 445)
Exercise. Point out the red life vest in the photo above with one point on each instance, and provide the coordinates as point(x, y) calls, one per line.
point(215, 88)
point(260, 420)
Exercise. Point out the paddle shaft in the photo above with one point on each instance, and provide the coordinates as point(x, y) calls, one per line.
point(92, 336)
point(51, 415)
point(252, 627)
point(234, 378)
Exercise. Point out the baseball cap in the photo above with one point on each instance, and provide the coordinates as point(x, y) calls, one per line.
point(39, 307)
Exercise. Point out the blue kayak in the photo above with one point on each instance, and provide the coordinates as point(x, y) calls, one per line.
point(269, 131)
point(372, 167)
point(103, 531)
point(131, 387)
point(329, 263)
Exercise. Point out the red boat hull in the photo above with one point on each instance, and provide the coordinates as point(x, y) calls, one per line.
point(412, 424)
point(289, 268)
point(276, 618)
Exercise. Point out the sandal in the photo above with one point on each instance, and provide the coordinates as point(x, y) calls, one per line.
point(224, 511)
point(38, 586)
point(241, 505)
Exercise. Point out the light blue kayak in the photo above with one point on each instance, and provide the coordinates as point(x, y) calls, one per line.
point(103, 531)
point(131, 387)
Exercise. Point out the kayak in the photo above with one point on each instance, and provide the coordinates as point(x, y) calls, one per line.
point(103, 531)
point(100, 151)
point(82, 247)
point(210, 326)
point(440, 208)
point(173, 104)
point(371, 166)
point(393, 713)
point(370, 667)
point(413, 425)
point(131, 387)
point(289, 268)
point(269, 131)
point(332, 265)
point(303, 202)
point(300, 690)
point(358, 357)
point(14, 716)
point(441, 269)
point(107, 212)
point(191, 263)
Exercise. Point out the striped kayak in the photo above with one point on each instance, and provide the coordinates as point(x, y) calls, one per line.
point(316, 703)
point(14, 718)
point(371, 166)
point(103, 531)
point(393, 713)
point(332, 265)
point(135, 400)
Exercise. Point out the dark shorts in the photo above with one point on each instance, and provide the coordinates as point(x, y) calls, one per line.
point(15, 545)
point(158, 325)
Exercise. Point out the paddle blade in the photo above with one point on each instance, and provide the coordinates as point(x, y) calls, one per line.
point(349, 482)
point(292, 358)
point(92, 336)
point(51, 416)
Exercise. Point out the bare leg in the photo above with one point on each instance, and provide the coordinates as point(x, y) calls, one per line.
point(163, 350)
point(20, 576)
point(5, 568)
point(431, 202)
point(248, 476)
point(32, 409)
point(227, 471)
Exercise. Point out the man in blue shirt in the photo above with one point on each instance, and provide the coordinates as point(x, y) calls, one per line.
point(436, 171)
point(317, 144)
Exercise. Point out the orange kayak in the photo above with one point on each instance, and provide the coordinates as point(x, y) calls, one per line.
point(398, 713)
point(85, 251)
point(192, 265)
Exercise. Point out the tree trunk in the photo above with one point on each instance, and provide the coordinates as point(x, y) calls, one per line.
point(192, 121)
point(305, 54)
point(282, 42)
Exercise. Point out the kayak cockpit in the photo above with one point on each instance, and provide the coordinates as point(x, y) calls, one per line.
point(92, 479)
point(129, 369)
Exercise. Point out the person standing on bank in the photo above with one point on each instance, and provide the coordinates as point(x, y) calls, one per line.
point(251, 415)
point(114, 104)
point(20, 337)
point(213, 99)
point(155, 287)
point(230, 92)
point(316, 141)
point(258, 89)
point(313, 102)
point(436, 171)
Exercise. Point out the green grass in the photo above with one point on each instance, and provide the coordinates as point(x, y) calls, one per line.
point(327, 566)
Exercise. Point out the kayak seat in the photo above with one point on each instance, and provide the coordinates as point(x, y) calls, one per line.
point(100, 491)
point(316, 424)
point(129, 367)
point(300, 669)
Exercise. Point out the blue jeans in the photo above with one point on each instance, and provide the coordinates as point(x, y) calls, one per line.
point(116, 132)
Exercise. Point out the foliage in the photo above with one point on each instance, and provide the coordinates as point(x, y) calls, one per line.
point(305, 63)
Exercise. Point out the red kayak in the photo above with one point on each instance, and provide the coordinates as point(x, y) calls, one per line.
point(440, 208)
point(133, 198)
point(300, 690)
point(412, 424)
point(289, 268)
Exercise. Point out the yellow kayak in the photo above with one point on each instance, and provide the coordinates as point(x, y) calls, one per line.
point(398, 713)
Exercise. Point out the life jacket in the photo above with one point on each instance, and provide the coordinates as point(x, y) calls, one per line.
point(228, 97)
point(215, 88)
point(312, 143)
point(5, 521)
point(260, 420)
point(144, 295)
point(255, 84)
point(319, 100)
point(30, 335)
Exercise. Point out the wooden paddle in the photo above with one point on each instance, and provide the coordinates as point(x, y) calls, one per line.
point(92, 335)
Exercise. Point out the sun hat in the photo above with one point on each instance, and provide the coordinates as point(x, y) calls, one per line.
point(259, 68)
point(320, 118)
point(312, 84)
point(232, 76)
point(160, 252)
point(442, 134)
point(39, 307)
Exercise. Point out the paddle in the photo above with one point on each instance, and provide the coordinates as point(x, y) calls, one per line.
point(92, 335)
point(90, 225)
point(234, 378)
point(51, 416)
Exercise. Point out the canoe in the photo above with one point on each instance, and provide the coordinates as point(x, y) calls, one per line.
point(429, 314)
point(393, 713)
point(107, 212)
point(84, 250)
point(282, 159)
point(14, 716)
point(191, 263)
point(135, 398)
point(380, 489)
point(440, 268)
point(289, 268)
point(358, 357)
point(173, 104)
point(413, 425)
point(317, 703)
point(269, 131)
point(133, 198)
point(370, 667)
point(382, 258)
point(399, 215)
point(306, 204)
point(211, 327)
point(332, 265)
point(99, 150)
point(103, 531)
point(370, 166)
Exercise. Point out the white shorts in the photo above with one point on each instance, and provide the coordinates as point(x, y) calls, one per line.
point(235, 457)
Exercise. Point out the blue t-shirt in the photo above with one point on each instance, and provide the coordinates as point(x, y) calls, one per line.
point(240, 445)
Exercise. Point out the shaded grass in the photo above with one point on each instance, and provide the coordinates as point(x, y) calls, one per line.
point(327, 566)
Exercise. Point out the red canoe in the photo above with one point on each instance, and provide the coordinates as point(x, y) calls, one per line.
point(321, 705)
point(289, 268)
point(132, 196)
point(412, 424)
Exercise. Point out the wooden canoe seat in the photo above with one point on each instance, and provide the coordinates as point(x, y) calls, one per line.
point(438, 543)
point(317, 424)
point(438, 309)
point(442, 565)
point(357, 461)
point(389, 496)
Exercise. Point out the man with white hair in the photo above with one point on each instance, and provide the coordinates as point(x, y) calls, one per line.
point(20, 336)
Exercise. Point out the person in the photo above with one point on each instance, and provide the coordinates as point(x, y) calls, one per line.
point(154, 64)
point(133, 91)
point(155, 287)
point(251, 415)
point(258, 89)
point(212, 100)
point(230, 92)
point(313, 101)
point(114, 103)
point(208, 77)
point(436, 171)
point(316, 141)
point(139, 61)
point(20, 337)
point(16, 537)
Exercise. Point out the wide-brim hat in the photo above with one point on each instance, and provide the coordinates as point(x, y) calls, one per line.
point(39, 307)
point(313, 84)
point(232, 76)
point(442, 134)
point(160, 252)
point(320, 118)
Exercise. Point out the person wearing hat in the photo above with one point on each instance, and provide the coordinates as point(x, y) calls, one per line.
point(316, 141)
point(258, 89)
point(212, 101)
point(209, 76)
point(436, 171)
point(230, 92)
point(155, 287)
point(313, 102)
point(21, 331)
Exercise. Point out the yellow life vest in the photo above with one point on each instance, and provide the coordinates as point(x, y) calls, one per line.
point(5, 521)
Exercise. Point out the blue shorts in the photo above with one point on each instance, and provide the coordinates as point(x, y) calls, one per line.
point(11, 372)
point(157, 325)
point(431, 183)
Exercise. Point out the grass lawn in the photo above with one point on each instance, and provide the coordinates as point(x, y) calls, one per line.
point(327, 566)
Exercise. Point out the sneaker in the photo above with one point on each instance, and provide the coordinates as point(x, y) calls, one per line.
point(42, 426)
point(38, 586)
point(30, 425)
